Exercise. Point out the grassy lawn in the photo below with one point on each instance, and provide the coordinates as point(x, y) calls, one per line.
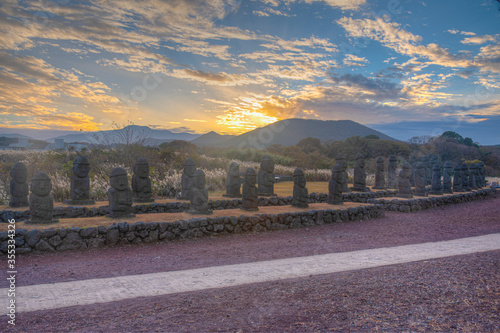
point(285, 189)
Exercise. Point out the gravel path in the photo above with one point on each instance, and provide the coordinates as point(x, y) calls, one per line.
point(460, 293)
point(451, 222)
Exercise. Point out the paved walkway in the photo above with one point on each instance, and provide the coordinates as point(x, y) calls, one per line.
point(84, 292)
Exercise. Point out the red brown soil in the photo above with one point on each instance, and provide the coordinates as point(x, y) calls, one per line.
point(452, 294)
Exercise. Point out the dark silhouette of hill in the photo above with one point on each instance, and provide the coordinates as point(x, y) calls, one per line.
point(211, 139)
point(289, 132)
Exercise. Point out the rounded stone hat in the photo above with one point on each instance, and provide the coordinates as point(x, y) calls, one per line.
point(298, 172)
point(141, 161)
point(250, 172)
point(80, 159)
point(118, 172)
point(189, 161)
point(40, 175)
point(19, 167)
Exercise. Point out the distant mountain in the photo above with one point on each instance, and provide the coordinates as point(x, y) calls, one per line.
point(131, 133)
point(289, 132)
point(33, 133)
point(14, 135)
point(211, 139)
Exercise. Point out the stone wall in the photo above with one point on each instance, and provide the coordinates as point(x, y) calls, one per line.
point(176, 207)
point(415, 205)
point(75, 238)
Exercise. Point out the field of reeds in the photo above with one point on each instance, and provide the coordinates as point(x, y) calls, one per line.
point(165, 171)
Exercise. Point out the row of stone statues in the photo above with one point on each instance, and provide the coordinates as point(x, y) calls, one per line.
point(80, 183)
point(193, 183)
point(465, 178)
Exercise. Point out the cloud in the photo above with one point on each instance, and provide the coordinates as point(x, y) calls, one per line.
point(480, 39)
point(353, 60)
point(196, 120)
point(221, 78)
point(271, 12)
point(392, 36)
point(342, 4)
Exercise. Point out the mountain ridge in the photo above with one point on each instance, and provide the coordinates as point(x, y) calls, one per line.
point(289, 132)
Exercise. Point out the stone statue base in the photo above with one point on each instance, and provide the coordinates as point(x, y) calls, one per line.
point(42, 221)
point(18, 204)
point(231, 196)
point(139, 200)
point(421, 194)
point(379, 188)
point(404, 196)
point(249, 209)
point(448, 192)
point(360, 189)
point(436, 192)
point(200, 212)
point(335, 202)
point(79, 202)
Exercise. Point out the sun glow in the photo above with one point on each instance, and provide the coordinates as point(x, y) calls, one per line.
point(242, 121)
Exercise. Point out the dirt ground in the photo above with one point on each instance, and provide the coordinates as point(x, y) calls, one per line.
point(84, 222)
point(459, 293)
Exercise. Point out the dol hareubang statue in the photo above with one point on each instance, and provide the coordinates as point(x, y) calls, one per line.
point(380, 174)
point(80, 183)
point(250, 197)
point(19, 186)
point(391, 173)
point(447, 171)
point(120, 195)
point(457, 178)
point(420, 180)
point(41, 200)
point(199, 194)
point(187, 179)
point(436, 187)
point(335, 186)
point(342, 161)
point(265, 177)
point(300, 194)
point(141, 183)
point(233, 181)
point(360, 175)
point(404, 185)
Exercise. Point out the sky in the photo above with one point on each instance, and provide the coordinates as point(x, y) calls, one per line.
point(407, 68)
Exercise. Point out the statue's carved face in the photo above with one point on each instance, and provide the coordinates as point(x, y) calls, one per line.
point(119, 183)
point(199, 180)
point(267, 165)
point(189, 170)
point(300, 181)
point(251, 179)
point(234, 170)
point(141, 170)
point(41, 187)
point(19, 174)
point(81, 170)
point(406, 172)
